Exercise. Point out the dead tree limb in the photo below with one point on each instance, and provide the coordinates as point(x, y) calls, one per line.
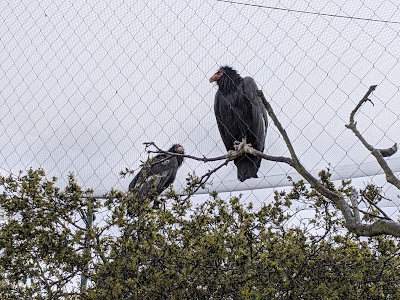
point(229, 156)
point(379, 154)
point(350, 213)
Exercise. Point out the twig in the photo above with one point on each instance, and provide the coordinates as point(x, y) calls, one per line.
point(373, 215)
point(250, 150)
point(204, 159)
point(362, 101)
point(204, 178)
point(376, 206)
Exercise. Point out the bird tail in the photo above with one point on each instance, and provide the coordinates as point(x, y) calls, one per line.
point(247, 166)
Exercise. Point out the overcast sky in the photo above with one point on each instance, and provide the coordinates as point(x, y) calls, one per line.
point(84, 83)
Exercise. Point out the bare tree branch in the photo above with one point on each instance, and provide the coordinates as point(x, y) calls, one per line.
point(372, 215)
point(203, 179)
point(387, 152)
point(354, 203)
point(231, 155)
point(376, 206)
point(362, 101)
point(351, 217)
point(203, 159)
point(294, 160)
point(378, 153)
point(251, 150)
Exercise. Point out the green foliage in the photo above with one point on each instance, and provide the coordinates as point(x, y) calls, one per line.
point(220, 249)
point(38, 242)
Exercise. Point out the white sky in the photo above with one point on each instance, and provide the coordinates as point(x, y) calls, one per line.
point(84, 83)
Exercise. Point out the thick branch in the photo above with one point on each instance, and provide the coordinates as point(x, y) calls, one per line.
point(382, 226)
point(352, 219)
point(387, 152)
point(379, 227)
point(295, 161)
point(354, 204)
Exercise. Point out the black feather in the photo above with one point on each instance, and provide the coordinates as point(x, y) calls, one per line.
point(240, 115)
point(157, 174)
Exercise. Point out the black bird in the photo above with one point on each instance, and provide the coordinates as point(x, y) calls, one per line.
point(158, 173)
point(240, 117)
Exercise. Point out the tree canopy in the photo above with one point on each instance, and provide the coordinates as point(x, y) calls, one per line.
point(220, 249)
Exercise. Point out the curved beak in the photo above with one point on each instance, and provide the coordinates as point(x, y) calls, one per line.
point(215, 77)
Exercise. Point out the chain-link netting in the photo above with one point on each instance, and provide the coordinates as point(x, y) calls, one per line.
point(85, 83)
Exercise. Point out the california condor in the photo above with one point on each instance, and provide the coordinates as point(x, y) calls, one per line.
point(157, 174)
point(240, 117)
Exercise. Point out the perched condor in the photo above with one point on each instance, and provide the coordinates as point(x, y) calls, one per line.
point(240, 117)
point(158, 173)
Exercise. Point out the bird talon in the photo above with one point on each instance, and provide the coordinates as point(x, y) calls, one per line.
point(239, 146)
point(231, 154)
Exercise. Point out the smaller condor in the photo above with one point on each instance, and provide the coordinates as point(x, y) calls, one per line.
point(241, 117)
point(157, 174)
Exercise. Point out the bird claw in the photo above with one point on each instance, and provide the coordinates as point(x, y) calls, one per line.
point(241, 147)
point(232, 154)
point(237, 146)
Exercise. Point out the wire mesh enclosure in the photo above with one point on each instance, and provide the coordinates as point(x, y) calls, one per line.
point(85, 83)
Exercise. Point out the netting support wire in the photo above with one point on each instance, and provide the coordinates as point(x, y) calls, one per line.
point(88, 218)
